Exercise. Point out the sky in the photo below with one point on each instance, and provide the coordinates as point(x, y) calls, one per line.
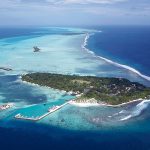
point(74, 12)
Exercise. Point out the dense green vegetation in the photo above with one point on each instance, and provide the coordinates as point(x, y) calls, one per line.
point(109, 90)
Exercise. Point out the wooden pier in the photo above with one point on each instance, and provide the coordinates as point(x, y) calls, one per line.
point(52, 110)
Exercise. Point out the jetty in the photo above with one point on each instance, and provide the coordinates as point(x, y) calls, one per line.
point(50, 110)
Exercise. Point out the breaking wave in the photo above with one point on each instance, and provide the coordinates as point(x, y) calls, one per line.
point(110, 61)
point(137, 110)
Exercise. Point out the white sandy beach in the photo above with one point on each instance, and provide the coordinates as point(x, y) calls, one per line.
point(84, 104)
point(88, 104)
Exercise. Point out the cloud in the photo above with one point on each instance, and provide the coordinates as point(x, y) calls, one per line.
point(86, 1)
point(74, 11)
point(55, 2)
point(34, 4)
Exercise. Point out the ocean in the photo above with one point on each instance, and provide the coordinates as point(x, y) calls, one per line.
point(124, 44)
point(110, 51)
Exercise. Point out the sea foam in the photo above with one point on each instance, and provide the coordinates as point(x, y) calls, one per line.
point(137, 110)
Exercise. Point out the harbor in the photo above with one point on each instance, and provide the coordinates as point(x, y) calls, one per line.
point(50, 110)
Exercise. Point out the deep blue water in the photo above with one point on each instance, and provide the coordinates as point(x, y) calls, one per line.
point(43, 137)
point(129, 45)
point(7, 32)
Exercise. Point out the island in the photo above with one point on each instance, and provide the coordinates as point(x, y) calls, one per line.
point(36, 49)
point(111, 91)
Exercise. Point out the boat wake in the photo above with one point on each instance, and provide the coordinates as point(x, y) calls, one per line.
point(110, 61)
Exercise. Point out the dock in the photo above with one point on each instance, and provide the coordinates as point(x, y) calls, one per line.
point(51, 110)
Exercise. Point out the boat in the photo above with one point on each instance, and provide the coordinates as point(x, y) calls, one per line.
point(54, 108)
point(18, 116)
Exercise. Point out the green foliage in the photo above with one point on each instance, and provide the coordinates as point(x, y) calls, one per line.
point(110, 90)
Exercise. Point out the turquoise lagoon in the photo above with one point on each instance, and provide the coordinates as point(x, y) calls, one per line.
point(62, 51)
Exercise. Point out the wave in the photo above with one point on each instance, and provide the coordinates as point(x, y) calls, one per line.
point(122, 111)
point(110, 61)
point(139, 107)
point(137, 110)
point(126, 118)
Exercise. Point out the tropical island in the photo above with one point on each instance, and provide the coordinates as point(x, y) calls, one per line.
point(92, 89)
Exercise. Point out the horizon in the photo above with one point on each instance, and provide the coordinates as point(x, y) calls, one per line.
point(74, 26)
point(74, 12)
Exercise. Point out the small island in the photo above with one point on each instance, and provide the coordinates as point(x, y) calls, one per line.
point(36, 49)
point(112, 91)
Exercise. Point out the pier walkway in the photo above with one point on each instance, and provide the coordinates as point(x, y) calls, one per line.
point(51, 110)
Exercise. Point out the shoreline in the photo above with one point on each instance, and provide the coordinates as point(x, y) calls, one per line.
point(111, 61)
point(40, 86)
point(88, 104)
point(84, 104)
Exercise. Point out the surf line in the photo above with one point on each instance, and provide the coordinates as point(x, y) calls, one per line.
point(83, 46)
point(137, 110)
